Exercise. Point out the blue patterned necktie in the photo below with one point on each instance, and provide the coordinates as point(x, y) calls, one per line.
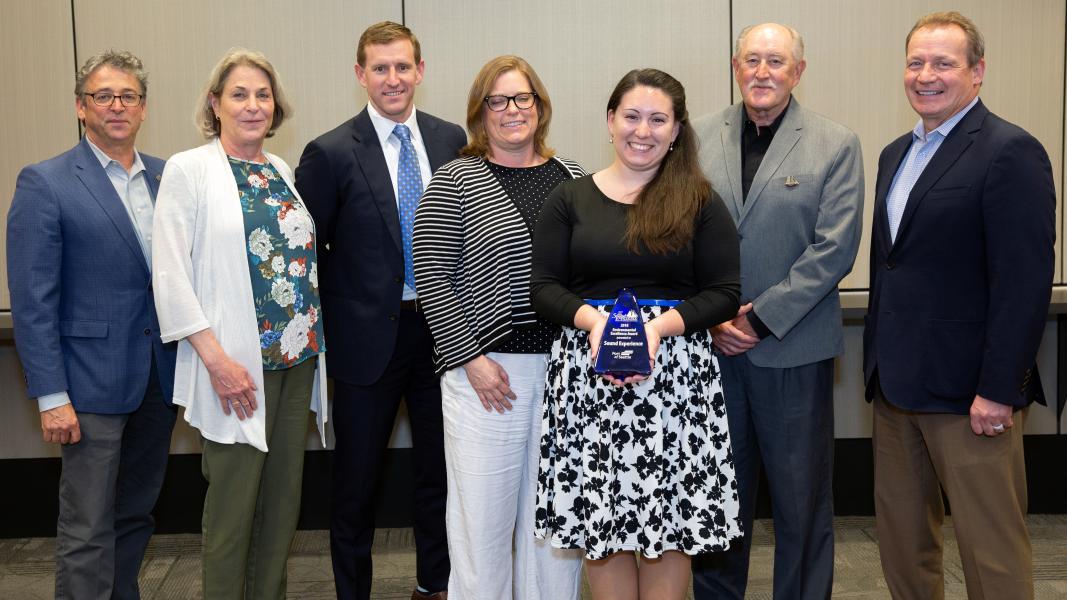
point(409, 188)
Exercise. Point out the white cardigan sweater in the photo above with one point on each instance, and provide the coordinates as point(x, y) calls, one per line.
point(200, 277)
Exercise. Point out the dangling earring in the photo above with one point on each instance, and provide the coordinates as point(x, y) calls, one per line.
point(611, 139)
point(670, 148)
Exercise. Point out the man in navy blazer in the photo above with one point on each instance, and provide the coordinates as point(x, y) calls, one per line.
point(961, 274)
point(380, 345)
point(79, 242)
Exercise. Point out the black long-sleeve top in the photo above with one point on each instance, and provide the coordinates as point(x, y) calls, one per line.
point(579, 251)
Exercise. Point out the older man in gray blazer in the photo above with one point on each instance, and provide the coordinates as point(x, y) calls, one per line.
point(793, 181)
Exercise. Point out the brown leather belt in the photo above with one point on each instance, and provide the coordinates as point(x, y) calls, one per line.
point(410, 305)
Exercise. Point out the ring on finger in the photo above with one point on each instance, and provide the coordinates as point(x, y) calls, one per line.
point(999, 428)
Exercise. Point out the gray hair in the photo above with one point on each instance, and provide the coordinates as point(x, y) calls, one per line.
point(120, 59)
point(798, 41)
point(204, 116)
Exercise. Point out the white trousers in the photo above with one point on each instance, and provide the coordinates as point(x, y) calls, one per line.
point(491, 460)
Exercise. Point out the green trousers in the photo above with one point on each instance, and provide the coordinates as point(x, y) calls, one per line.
point(253, 497)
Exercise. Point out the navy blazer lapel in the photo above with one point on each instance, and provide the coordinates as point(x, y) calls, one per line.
point(957, 142)
point(895, 155)
point(152, 176)
point(437, 153)
point(785, 139)
point(730, 137)
point(370, 158)
point(87, 169)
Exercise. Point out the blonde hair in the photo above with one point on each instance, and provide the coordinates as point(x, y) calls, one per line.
point(204, 117)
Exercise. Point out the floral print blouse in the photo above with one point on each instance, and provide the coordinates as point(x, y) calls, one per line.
point(280, 241)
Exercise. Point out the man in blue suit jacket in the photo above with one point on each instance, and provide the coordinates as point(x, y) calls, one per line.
point(79, 254)
point(380, 345)
point(961, 273)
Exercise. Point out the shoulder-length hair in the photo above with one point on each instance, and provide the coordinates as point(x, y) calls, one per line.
point(664, 212)
point(204, 117)
point(483, 86)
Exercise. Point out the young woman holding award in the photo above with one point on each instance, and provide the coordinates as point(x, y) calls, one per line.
point(633, 462)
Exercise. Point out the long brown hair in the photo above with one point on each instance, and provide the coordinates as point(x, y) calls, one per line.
point(664, 212)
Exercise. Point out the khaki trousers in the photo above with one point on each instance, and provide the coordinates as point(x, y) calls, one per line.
point(916, 455)
point(253, 498)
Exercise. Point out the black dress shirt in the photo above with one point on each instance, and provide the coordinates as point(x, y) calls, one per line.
point(754, 144)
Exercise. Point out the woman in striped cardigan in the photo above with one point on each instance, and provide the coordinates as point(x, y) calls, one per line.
point(472, 252)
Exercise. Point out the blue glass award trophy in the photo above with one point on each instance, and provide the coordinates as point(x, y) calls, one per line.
point(624, 347)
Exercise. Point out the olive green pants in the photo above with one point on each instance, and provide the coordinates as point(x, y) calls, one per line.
point(253, 498)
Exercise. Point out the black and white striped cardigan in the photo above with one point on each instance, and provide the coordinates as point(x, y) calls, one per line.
point(472, 254)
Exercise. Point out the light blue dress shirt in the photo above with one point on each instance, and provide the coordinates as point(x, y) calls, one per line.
point(923, 147)
point(132, 188)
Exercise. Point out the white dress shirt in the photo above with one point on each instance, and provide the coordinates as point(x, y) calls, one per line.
point(391, 148)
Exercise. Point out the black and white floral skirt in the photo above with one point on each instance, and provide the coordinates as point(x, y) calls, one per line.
point(646, 467)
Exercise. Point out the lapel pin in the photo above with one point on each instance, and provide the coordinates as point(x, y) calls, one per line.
point(791, 181)
point(159, 177)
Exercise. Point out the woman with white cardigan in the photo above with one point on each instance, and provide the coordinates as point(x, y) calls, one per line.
point(235, 277)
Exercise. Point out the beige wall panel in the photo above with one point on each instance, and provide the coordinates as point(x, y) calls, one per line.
point(312, 45)
point(38, 61)
point(855, 54)
point(579, 49)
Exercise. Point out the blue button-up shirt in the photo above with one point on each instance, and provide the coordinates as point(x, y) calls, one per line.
point(132, 188)
point(923, 147)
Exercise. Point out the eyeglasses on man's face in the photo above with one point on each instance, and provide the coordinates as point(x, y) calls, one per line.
point(127, 99)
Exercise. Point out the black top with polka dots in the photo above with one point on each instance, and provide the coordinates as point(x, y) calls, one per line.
point(528, 187)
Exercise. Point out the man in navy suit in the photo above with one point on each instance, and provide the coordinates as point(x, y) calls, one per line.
point(79, 242)
point(380, 346)
point(961, 273)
